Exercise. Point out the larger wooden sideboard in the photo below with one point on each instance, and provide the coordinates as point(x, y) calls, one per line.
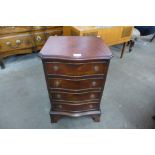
point(112, 35)
point(24, 39)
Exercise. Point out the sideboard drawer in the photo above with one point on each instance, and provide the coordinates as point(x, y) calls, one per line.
point(54, 32)
point(14, 42)
point(38, 27)
point(74, 108)
point(75, 84)
point(95, 33)
point(76, 69)
point(75, 97)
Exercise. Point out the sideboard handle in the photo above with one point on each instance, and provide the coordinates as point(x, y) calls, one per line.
point(38, 38)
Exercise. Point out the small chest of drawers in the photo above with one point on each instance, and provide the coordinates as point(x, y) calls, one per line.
point(75, 70)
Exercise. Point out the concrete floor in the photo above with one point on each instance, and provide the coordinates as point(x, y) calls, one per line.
point(128, 100)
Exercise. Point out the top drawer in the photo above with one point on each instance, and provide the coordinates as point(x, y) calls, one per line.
point(76, 69)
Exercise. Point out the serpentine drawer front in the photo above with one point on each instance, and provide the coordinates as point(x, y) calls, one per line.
point(74, 85)
point(75, 70)
point(63, 96)
point(74, 108)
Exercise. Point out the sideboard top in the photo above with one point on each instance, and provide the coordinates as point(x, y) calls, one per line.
point(88, 28)
point(75, 48)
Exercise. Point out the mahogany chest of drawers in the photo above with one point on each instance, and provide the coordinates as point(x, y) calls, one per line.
point(75, 69)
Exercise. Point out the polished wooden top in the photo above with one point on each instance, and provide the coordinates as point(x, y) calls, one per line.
point(85, 28)
point(89, 28)
point(75, 48)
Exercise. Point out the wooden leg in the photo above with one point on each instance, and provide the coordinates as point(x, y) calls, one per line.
point(123, 49)
point(152, 38)
point(55, 118)
point(2, 64)
point(128, 43)
point(132, 43)
point(96, 118)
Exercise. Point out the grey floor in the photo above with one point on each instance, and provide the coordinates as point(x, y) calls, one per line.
point(128, 100)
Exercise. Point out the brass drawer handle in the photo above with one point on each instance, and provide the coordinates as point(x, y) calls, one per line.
point(8, 43)
point(94, 83)
point(56, 83)
point(60, 106)
point(91, 106)
point(58, 96)
point(55, 68)
point(92, 96)
point(38, 38)
point(96, 68)
point(18, 41)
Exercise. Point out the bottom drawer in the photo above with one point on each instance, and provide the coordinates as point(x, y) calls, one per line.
point(75, 108)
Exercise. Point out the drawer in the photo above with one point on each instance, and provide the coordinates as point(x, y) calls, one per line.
point(14, 29)
point(14, 42)
point(54, 27)
point(38, 27)
point(54, 32)
point(74, 108)
point(95, 33)
point(46, 27)
point(76, 69)
point(40, 38)
point(75, 84)
point(76, 97)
